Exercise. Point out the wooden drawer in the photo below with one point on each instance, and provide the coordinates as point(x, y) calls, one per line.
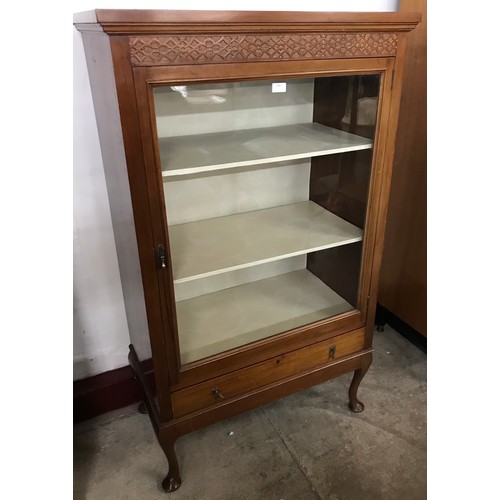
point(241, 381)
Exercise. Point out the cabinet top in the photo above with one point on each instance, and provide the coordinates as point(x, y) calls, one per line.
point(157, 21)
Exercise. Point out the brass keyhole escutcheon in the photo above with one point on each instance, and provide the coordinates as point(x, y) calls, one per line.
point(331, 352)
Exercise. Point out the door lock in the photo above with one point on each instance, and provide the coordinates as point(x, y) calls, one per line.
point(162, 256)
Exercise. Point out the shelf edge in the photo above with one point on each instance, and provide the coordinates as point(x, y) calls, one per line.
point(225, 166)
point(265, 261)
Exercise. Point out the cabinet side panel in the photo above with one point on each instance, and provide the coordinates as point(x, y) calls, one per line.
point(102, 81)
point(340, 183)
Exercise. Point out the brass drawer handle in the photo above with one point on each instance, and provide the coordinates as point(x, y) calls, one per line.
point(331, 352)
point(216, 392)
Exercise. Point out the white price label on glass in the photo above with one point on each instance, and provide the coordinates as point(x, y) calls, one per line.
point(279, 87)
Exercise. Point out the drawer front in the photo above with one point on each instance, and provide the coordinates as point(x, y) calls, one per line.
point(241, 381)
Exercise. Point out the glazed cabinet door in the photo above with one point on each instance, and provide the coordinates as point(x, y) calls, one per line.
point(268, 187)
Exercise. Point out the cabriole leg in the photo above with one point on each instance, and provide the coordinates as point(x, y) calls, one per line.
point(166, 436)
point(355, 404)
point(173, 480)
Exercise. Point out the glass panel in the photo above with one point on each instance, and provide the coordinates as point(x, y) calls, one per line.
point(266, 187)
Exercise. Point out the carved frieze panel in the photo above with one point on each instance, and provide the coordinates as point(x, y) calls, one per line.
point(232, 48)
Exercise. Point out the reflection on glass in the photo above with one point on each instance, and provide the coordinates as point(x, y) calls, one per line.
point(266, 187)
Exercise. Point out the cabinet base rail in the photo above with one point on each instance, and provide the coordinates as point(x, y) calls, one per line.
point(168, 432)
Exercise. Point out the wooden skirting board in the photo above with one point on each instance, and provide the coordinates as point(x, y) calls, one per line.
point(384, 316)
point(108, 391)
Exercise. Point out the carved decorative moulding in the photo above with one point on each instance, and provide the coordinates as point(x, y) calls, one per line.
point(229, 48)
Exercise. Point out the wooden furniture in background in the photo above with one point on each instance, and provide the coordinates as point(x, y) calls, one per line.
point(248, 159)
point(403, 278)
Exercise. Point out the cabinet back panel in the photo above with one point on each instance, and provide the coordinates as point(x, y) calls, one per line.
point(210, 284)
point(217, 194)
point(203, 109)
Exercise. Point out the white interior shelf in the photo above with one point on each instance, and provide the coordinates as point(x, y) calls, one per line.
point(214, 246)
point(223, 320)
point(200, 153)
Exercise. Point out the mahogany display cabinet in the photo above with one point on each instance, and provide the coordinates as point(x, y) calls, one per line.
point(248, 160)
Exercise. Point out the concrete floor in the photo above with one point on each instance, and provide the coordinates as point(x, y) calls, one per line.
point(306, 446)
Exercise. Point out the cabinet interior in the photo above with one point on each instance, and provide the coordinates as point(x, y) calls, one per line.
point(266, 195)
